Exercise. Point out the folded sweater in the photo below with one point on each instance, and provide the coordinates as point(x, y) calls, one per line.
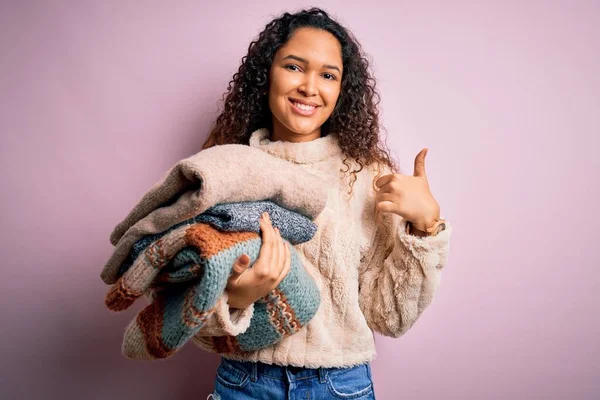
point(180, 308)
point(235, 217)
point(222, 174)
point(198, 184)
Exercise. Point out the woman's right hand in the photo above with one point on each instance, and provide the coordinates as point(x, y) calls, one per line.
point(245, 285)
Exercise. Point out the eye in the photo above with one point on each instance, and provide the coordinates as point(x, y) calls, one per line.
point(292, 65)
point(333, 78)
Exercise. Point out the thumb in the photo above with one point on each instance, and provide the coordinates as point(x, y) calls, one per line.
point(420, 164)
point(239, 267)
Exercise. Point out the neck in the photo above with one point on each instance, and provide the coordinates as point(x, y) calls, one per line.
point(281, 133)
point(303, 152)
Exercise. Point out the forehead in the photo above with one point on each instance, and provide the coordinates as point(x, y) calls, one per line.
point(314, 45)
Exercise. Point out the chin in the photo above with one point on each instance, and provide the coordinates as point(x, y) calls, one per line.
point(304, 132)
point(304, 128)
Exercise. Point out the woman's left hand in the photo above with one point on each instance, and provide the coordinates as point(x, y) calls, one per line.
point(409, 196)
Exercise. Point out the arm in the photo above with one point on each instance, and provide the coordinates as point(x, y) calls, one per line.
point(399, 272)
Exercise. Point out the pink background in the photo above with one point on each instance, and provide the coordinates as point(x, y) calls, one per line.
point(100, 98)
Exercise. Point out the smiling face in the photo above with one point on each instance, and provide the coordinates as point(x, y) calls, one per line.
point(304, 84)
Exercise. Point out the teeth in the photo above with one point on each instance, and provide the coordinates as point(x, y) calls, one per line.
point(304, 107)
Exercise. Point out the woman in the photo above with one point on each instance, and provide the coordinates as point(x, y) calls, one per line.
point(304, 93)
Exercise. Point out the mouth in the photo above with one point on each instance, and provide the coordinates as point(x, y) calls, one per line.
point(303, 109)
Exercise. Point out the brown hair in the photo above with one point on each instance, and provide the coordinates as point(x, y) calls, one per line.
point(355, 118)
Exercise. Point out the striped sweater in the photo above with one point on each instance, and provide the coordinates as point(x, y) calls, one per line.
point(184, 270)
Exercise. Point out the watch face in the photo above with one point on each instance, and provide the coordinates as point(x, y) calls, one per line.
point(440, 228)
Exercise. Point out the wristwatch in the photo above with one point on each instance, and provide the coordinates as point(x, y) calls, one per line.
point(435, 228)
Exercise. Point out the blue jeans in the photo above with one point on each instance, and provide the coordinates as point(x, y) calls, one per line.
point(237, 380)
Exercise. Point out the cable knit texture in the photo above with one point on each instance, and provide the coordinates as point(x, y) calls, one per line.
point(372, 276)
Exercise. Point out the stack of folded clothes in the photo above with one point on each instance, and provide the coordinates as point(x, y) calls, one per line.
point(182, 264)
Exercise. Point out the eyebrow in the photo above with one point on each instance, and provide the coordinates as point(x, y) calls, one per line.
point(306, 62)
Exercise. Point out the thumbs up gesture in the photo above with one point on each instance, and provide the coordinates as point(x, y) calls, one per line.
point(409, 196)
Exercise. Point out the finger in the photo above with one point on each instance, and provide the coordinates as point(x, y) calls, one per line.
point(239, 267)
point(384, 180)
point(420, 164)
point(279, 257)
point(273, 239)
point(262, 267)
point(387, 206)
point(287, 264)
point(393, 186)
point(394, 197)
point(387, 202)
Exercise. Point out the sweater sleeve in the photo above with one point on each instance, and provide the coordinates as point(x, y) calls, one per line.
point(146, 344)
point(399, 272)
point(225, 322)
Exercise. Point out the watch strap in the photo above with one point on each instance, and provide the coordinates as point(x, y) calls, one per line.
point(436, 227)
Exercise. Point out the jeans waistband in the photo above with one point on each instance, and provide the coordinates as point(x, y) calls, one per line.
point(289, 373)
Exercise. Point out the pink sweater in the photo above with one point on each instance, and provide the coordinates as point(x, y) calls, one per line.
point(372, 275)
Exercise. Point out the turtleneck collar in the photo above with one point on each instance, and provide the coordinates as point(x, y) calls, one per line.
point(300, 153)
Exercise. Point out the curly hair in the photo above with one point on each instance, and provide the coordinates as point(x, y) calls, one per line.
point(355, 118)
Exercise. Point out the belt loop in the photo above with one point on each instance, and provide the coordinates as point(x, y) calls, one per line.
point(254, 372)
point(369, 373)
point(322, 374)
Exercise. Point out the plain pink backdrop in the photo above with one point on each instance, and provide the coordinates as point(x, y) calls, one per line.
point(100, 98)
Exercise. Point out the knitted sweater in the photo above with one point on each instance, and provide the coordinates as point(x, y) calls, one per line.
point(222, 174)
point(202, 184)
point(237, 217)
point(372, 276)
point(185, 270)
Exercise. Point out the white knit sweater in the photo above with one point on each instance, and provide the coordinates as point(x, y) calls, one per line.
point(372, 275)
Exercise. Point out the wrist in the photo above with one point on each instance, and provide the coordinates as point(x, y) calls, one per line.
point(416, 232)
point(235, 303)
point(423, 224)
point(432, 229)
point(238, 306)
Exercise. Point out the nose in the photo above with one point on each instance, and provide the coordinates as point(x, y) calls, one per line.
point(308, 87)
